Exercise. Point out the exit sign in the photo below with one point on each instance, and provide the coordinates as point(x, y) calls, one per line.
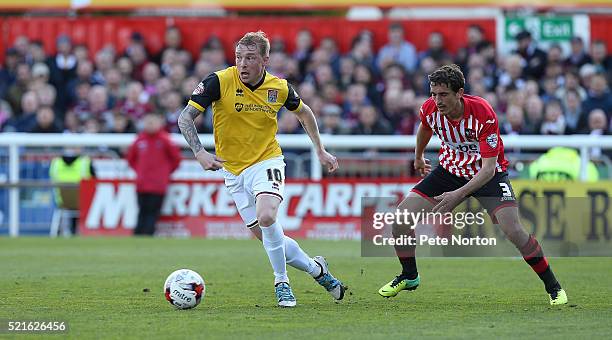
point(513, 27)
point(556, 29)
point(546, 30)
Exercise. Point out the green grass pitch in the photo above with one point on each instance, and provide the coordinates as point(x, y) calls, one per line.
point(97, 286)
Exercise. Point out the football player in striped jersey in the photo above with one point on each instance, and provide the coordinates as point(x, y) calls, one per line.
point(472, 163)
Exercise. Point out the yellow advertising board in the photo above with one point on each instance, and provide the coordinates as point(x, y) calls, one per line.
point(569, 189)
point(576, 211)
point(568, 219)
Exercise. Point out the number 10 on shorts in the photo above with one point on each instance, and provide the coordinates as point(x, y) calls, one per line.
point(275, 175)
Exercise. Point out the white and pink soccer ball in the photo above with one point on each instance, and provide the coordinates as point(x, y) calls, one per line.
point(184, 289)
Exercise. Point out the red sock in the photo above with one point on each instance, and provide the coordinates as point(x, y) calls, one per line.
point(533, 255)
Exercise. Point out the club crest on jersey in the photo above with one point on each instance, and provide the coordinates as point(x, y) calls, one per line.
point(238, 106)
point(272, 96)
point(470, 134)
point(492, 140)
point(199, 90)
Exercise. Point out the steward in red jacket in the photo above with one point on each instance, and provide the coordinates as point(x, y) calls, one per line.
point(154, 157)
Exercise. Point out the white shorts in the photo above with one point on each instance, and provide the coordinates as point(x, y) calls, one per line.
point(263, 178)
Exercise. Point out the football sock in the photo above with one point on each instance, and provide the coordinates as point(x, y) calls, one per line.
point(409, 269)
point(298, 259)
point(274, 243)
point(533, 255)
point(406, 256)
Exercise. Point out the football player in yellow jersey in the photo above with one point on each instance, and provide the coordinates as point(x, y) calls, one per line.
point(245, 101)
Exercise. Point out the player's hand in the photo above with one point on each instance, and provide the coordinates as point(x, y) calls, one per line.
point(422, 166)
point(328, 160)
point(209, 161)
point(448, 201)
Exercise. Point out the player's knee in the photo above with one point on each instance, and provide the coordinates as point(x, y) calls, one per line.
point(414, 202)
point(266, 217)
point(406, 204)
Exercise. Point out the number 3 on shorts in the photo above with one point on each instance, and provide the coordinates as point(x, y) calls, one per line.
point(505, 189)
point(275, 175)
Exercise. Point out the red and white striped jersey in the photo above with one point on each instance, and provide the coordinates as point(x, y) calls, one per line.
point(466, 141)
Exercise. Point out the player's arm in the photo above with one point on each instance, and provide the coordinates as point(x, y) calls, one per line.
point(205, 93)
point(421, 164)
point(423, 137)
point(306, 117)
point(484, 175)
point(186, 123)
point(449, 200)
point(424, 133)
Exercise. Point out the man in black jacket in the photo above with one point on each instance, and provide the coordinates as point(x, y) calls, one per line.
point(535, 58)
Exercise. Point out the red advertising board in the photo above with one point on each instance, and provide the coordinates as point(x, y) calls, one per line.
point(97, 32)
point(328, 209)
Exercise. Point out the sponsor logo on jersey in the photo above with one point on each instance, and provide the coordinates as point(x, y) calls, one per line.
point(471, 148)
point(470, 134)
point(254, 108)
point(490, 121)
point(239, 93)
point(272, 96)
point(492, 140)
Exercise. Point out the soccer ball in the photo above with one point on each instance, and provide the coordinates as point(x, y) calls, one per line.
point(184, 289)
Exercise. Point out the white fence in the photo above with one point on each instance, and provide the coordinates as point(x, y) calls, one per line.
point(15, 141)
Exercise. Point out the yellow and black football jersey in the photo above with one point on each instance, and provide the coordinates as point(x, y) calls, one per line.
point(244, 116)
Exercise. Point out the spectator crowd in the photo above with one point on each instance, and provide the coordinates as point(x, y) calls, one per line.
point(364, 91)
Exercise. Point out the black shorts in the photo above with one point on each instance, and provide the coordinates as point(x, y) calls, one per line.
point(494, 195)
